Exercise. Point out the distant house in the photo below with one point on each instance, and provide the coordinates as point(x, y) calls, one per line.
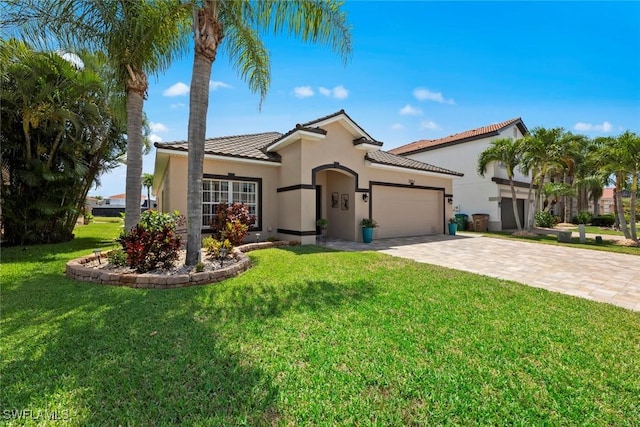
point(113, 205)
point(605, 203)
point(327, 168)
point(473, 193)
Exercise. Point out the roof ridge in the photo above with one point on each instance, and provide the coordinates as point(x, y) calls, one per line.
point(215, 138)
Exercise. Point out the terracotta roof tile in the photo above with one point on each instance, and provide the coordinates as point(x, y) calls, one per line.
point(386, 158)
point(244, 146)
point(469, 135)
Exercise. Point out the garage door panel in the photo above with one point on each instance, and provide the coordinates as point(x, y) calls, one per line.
point(404, 212)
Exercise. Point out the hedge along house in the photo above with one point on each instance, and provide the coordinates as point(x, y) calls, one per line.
point(327, 168)
point(476, 194)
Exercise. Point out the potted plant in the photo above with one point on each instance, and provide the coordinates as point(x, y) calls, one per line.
point(367, 224)
point(453, 226)
point(322, 225)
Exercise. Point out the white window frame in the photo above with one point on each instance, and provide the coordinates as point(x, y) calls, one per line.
point(249, 198)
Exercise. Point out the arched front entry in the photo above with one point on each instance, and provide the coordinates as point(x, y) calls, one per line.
point(339, 200)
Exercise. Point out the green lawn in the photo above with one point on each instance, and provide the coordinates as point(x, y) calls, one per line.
point(552, 239)
point(601, 230)
point(309, 337)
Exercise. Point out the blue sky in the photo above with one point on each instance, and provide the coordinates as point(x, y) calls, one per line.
point(423, 70)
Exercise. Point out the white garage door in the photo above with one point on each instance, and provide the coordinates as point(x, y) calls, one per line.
point(402, 211)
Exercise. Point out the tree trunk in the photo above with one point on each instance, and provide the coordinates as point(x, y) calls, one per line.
point(634, 192)
point(136, 88)
point(207, 38)
point(515, 204)
point(620, 207)
point(596, 205)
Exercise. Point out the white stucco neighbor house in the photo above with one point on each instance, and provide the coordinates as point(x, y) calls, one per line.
point(475, 194)
point(327, 168)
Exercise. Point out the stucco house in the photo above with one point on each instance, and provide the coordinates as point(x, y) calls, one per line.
point(327, 168)
point(475, 194)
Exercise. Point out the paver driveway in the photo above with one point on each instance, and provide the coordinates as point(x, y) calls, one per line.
point(600, 276)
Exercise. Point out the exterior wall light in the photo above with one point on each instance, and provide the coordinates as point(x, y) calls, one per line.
point(365, 197)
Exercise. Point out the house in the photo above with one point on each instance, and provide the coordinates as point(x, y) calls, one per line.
point(114, 205)
point(475, 194)
point(327, 168)
point(605, 204)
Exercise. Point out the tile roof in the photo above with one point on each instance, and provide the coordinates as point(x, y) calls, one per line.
point(469, 135)
point(242, 146)
point(386, 158)
point(336, 114)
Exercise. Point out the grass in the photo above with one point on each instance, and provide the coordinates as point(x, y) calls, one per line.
point(309, 337)
point(552, 239)
point(600, 230)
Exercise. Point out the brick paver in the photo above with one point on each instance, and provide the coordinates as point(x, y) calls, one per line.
point(595, 275)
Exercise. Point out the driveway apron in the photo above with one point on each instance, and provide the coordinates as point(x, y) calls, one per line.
point(595, 275)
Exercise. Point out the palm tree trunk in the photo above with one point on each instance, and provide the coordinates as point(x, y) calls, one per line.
point(531, 206)
point(634, 192)
point(208, 36)
point(135, 101)
point(515, 204)
point(620, 207)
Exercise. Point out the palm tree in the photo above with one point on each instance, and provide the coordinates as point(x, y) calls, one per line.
point(139, 37)
point(236, 26)
point(147, 182)
point(613, 154)
point(508, 152)
point(541, 153)
point(629, 143)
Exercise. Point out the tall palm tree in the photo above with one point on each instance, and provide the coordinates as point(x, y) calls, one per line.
point(147, 182)
point(629, 143)
point(541, 149)
point(139, 37)
point(613, 154)
point(236, 26)
point(508, 152)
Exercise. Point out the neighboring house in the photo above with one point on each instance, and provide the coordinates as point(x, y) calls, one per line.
point(475, 194)
point(606, 205)
point(327, 168)
point(112, 206)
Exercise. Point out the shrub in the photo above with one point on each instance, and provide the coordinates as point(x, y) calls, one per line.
point(603, 220)
point(213, 246)
point(582, 218)
point(153, 242)
point(545, 219)
point(117, 257)
point(199, 267)
point(232, 222)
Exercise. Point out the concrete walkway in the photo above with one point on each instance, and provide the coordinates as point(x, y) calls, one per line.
point(595, 275)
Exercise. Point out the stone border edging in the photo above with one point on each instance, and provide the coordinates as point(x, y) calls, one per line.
point(76, 270)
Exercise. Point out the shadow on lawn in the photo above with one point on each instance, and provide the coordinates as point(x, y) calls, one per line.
point(112, 355)
point(138, 358)
point(51, 252)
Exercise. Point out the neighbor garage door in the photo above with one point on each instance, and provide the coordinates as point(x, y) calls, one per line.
point(506, 211)
point(407, 211)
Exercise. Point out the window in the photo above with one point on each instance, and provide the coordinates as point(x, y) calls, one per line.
point(216, 191)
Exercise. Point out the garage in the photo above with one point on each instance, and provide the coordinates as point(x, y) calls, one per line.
point(506, 212)
point(407, 210)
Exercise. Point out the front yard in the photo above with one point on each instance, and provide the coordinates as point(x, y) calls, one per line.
point(308, 336)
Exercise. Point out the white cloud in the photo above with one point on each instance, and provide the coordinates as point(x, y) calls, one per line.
point(429, 124)
point(155, 138)
point(397, 126)
point(177, 89)
point(216, 84)
point(338, 92)
point(177, 105)
point(324, 91)
point(586, 127)
point(303, 92)
point(408, 110)
point(157, 127)
point(426, 95)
